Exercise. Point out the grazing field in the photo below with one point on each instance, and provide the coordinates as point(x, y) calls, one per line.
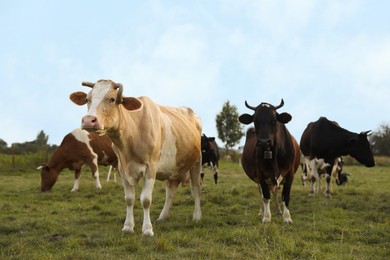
point(353, 224)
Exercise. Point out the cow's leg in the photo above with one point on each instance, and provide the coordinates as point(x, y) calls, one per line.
point(109, 173)
point(202, 172)
point(319, 188)
point(130, 200)
point(196, 189)
point(261, 204)
point(328, 176)
point(95, 173)
point(286, 197)
point(278, 211)
point(313, 176)
point(266, 201)
point(304, 174)
point(146, 202)
point(170, 191)
point(76, 180)
point(215, 169)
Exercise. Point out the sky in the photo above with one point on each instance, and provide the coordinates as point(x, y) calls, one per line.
point(324, 58)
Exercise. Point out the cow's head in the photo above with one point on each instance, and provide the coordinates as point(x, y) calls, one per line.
point(104, 102)
point(266, 120)
point(342, 178)
point(206, 143)
point(360, 149)
point(48, 177)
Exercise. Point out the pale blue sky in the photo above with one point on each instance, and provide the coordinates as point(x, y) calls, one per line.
point(324, 58)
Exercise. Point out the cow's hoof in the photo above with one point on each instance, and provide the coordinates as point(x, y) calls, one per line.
point(128, 229)
point(266, 220)
point(74, 190)
point(327, 195)
point(287, 220)
point(148, 233)
point(197, 216)
point(160, 219)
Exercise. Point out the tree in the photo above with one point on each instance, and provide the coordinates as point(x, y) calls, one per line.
point(381, 140)
point(42, 139)
point(229, 128)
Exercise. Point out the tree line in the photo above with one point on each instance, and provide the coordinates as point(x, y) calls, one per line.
point(38, 145)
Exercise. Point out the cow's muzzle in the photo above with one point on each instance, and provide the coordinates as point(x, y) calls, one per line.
point(265, 145)
point(90, 122)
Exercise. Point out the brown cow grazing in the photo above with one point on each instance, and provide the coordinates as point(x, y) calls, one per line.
point(151, 141)
point(78, 148)
point(271, 155)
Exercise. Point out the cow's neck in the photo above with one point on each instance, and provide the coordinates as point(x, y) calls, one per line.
point(59, 160)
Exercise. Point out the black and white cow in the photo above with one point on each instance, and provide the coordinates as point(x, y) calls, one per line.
point(210, 155)
point(324, 139)
point(316, 168)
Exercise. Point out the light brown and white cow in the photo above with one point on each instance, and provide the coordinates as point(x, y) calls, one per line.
point(76, 149)
point(151, 142)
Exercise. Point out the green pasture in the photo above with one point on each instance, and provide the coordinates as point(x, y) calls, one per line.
point(353, 224)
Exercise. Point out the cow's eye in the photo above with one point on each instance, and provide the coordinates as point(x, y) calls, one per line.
point(112, 100)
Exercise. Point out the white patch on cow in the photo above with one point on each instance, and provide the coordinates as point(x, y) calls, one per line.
point(167, 164)
point(267, 211)
point(286, 214)
point(98, 92)
point(75, 185)
point(146, 202)
point(82, 136)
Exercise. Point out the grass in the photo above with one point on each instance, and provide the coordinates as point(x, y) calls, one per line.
point(353, 224)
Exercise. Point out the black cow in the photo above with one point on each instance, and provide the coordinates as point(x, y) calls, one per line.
point(210, 155)
point(324, 139)
point(270, 155)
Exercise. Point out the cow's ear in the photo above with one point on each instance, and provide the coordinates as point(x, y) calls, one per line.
point(79, 98)
point(245, 119)
point(132, 103)
point(284, 118)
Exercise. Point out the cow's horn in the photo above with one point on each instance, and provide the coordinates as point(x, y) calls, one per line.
point(367, 133)
point(281, 104)
point(248, 106)
point(88, 84)
point(119, 86)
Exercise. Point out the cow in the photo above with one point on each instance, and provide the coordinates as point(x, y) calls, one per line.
point(325, 139)
point(210, 155)
point(76, 149)
point(152, 142)
point(317, 168)
point(271, 155)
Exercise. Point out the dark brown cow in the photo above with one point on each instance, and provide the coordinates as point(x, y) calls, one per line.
point(78, 148)
point(271, 155)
